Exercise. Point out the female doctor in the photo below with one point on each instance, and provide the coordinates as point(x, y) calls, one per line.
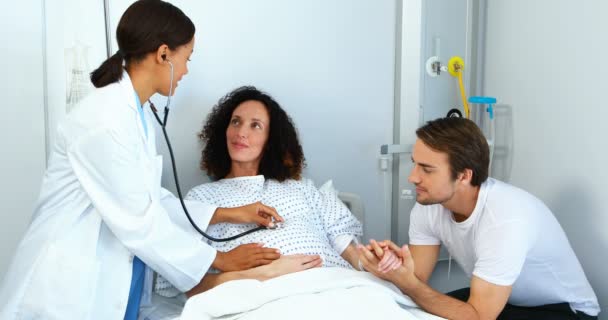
point(102, 214)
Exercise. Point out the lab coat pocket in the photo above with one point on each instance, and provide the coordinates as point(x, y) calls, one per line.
point(62, 286)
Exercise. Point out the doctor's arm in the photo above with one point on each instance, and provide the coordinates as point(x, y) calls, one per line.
point(240, 258)
point(205, 214)
point(256, 212)
point(124, 187)
point(244, 257)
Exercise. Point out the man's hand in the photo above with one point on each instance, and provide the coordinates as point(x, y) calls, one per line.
point(486, 300)
point(400, 256)
point(388, 261)
point(257, 212)
point(244, 257)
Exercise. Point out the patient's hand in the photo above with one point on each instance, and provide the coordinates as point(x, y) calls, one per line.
point(245, 256)
point(288, 264)
point(282, 266)
point(388, 261)
point(390, 255)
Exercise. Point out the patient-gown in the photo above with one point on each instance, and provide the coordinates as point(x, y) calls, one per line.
point(315, 222)
point(313, 219)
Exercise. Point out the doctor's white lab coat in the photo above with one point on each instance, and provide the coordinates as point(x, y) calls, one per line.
point(101, 203)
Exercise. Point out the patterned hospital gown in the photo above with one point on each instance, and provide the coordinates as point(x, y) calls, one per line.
point(314, 220)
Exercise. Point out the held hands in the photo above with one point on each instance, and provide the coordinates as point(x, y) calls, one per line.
point(387, 261)
point(256, 212)
point(244, 257)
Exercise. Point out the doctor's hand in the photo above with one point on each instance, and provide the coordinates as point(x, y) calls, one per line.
point(244, 257)
point(256, 212)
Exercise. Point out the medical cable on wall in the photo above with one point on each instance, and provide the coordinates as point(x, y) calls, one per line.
point(455, 68)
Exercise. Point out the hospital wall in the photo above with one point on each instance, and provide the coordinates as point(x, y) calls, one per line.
point(332, 71)
point(546, 63)
point(543, 61)
point(22, 132)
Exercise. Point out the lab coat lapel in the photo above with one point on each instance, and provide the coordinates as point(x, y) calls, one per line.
point(151, 140)
point(155, 162)
point(129, 96)
point(151, 161)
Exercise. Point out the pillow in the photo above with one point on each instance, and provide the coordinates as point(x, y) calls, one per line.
point(328, 188)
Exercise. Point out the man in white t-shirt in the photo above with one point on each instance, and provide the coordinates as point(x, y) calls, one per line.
point(507, 241)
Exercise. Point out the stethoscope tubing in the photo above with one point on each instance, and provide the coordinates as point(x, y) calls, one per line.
point(163, 124)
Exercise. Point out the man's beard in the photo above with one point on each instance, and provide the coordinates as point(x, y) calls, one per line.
point(431, 201)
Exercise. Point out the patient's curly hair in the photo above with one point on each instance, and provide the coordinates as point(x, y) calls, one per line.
point(282, 157)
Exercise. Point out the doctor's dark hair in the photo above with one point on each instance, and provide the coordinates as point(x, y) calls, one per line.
point(463, 142)
point(145, 26)
point(282, 156)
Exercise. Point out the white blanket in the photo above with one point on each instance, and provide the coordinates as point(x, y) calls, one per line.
point(320, 293)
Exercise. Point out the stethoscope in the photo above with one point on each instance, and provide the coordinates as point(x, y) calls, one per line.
point(163, 124)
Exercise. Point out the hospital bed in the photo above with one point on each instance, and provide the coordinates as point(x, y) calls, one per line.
point(321, 293)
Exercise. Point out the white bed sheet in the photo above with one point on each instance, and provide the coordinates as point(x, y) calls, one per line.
point(320, 293)
point(162, 308)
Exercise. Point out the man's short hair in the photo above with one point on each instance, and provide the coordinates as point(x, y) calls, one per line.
point(463, 142)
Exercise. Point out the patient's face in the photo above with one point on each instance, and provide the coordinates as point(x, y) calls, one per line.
point(247, 133)
point(432, 175)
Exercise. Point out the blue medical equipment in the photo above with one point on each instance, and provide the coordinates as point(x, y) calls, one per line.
point(490, 102)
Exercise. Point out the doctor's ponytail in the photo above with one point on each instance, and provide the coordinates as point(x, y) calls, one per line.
point(110, 71)
point(142, 29)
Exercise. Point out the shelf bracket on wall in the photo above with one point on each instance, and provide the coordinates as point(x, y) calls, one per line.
point(395, 148)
